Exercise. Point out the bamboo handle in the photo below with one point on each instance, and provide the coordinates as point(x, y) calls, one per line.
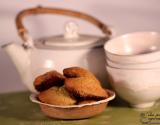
point(22, 31)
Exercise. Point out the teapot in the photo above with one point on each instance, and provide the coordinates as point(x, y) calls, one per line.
point(35, 57)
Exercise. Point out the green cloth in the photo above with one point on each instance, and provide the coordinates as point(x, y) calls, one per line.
point(17, 109)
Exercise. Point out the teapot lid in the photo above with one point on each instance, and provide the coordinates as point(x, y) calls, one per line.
point(71, 40)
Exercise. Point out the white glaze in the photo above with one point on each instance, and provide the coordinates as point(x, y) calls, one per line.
point(149, 65)
point(32, 62)
point(139, 47)
point(141, 88)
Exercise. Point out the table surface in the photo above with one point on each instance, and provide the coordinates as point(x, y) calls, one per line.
point(17, 109)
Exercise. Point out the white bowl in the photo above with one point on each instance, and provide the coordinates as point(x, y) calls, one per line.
point(150, 65)
point(138, 47)
point(141, 88)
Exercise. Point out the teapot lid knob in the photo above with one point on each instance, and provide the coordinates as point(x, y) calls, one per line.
point(71, 30)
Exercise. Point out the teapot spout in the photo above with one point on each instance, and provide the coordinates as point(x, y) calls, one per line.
point(20, 57)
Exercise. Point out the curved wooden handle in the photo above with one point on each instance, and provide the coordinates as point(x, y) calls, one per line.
point(22, 31)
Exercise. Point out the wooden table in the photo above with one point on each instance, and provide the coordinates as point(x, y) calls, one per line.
point(17, 109)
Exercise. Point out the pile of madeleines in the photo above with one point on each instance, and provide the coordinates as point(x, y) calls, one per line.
point(76, 86)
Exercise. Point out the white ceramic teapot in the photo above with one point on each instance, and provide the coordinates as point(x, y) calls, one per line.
point(35, 57)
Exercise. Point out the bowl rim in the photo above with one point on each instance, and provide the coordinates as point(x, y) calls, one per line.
point(33, 98)
point(136, 63)
point(133, 69)
point(128, 34)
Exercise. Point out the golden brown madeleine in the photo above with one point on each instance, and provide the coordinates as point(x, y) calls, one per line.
point(79, 72)
point(76, 72)
point(85, 87)
point(47, 80)
point(57, 96)
point(86, 102)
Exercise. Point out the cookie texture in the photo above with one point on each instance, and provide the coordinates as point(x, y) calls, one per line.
point(47, 80)
point(57, 96)
point(85, 88)
point(73, 72)
point(82, 83)
point(76, 86)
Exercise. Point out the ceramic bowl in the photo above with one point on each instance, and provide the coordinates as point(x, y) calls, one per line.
point(74, 111)
point(141, 88)
point(149, 65)
point(138, 47)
